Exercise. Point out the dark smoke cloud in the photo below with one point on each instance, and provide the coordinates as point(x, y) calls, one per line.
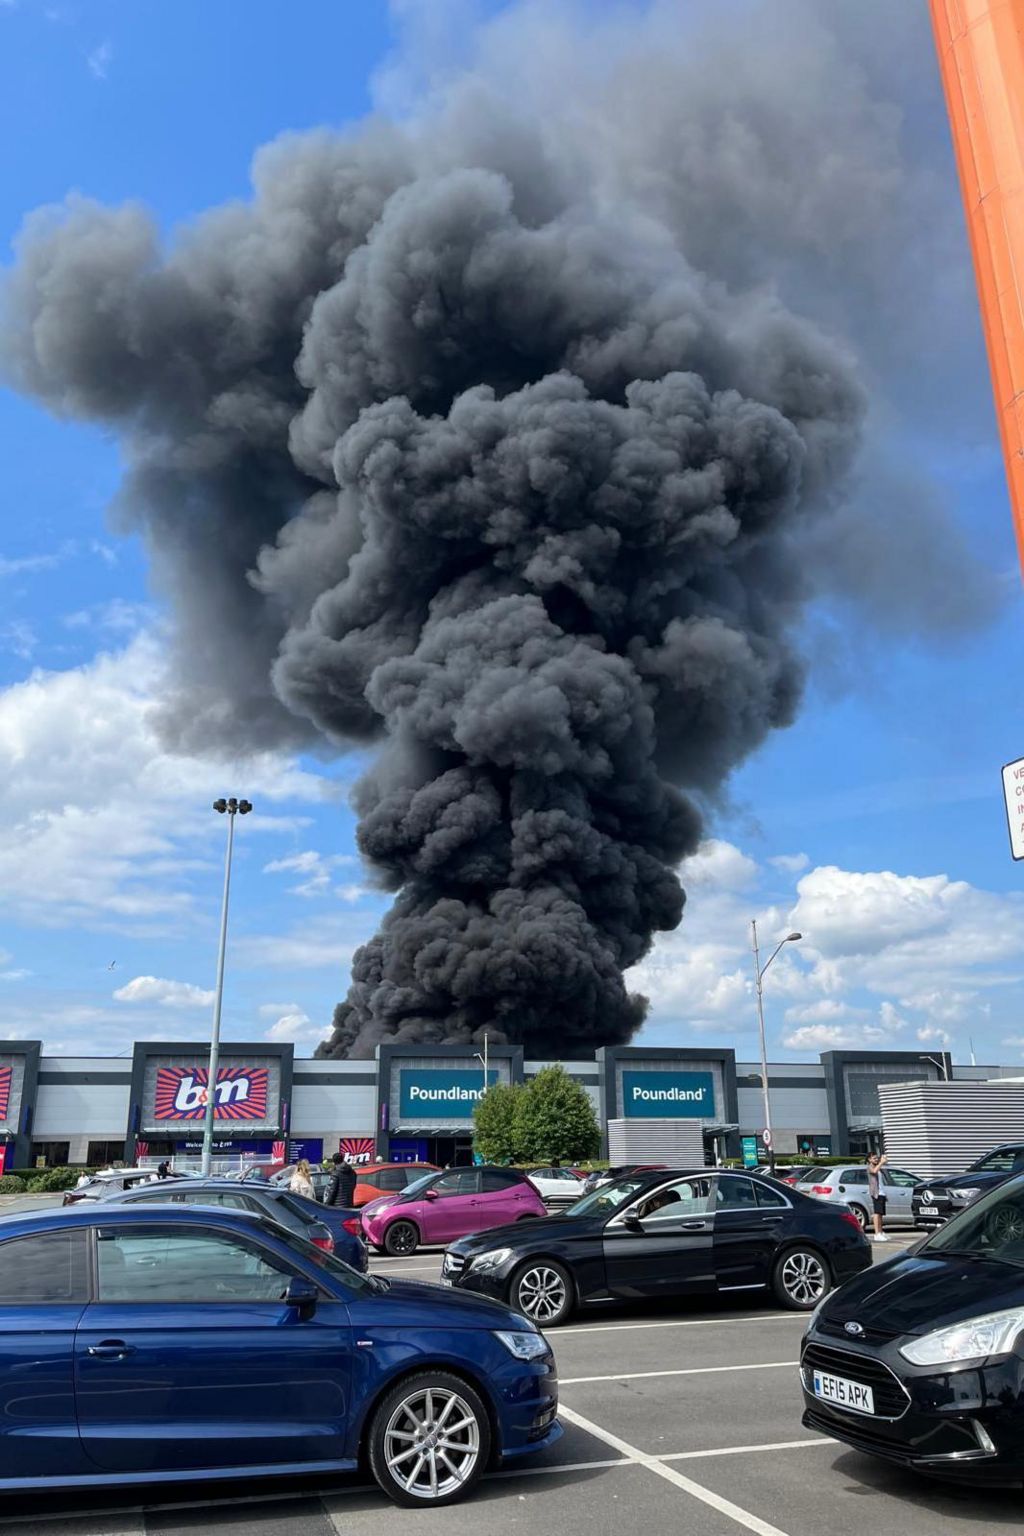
point(448, 443)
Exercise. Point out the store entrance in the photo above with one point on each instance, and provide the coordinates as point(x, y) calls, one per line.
point(445, 1151)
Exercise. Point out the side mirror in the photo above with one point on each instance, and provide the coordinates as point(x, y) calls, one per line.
point(303, 1295)
point(632, 1221)
point(430, 1194)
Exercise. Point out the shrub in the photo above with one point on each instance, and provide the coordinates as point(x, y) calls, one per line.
point(10, 1184)
point(54, 1180)
point(494, 1123)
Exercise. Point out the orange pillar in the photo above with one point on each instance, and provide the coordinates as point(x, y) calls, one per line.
point(981, 56)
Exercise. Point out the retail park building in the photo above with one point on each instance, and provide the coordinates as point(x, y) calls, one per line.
point(416, 1103)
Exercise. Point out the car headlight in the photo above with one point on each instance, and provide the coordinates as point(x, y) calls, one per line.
point(491, 1260)
point(993, 1334)
point(525, 1346)
point(964, 1194)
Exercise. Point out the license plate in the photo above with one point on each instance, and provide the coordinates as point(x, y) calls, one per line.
point(845, 1394)
point(446, 1282)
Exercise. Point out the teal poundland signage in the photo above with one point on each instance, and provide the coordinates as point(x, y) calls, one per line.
point(437, 1093)
point(668, 1095)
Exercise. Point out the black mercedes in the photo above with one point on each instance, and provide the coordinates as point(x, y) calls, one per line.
point(921, 1361)
point(664, 1234)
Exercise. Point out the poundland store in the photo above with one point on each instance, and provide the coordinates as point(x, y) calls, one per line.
point(416, 1104)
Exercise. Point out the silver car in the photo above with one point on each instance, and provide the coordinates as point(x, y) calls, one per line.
point(849, 1186)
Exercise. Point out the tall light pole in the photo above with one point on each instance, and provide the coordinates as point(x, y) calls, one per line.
point(939, 1062)
point(483, 1060)
point(759, 970)
point(240, 808)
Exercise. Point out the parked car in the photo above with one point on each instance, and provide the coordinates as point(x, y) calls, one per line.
point(850, 1185)
point(213, 1343)
point(376, 1179)
point(330, 1228)
point(793, 1174)
point(556, 1185)
point(112, 1181)
point(921, 1361)
point(665, 1234)
point(319, 1179)
point(936, 1200)
point(441, 1206)
point(612, 1175)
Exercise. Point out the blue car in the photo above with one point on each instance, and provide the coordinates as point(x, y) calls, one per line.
point(141, 1344)
point(322, 1224)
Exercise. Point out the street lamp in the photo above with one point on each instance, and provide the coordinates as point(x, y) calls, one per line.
point(759, 970)
point(939, 1062)
point(232, 807)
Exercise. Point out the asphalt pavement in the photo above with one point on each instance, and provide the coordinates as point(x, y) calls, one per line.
point(682, 1419)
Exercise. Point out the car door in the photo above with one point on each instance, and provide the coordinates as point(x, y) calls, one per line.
point(748, 1216)
point(453, 1208)
point(851, 1186)
point(504, 1196)
point(898, 1188)
point(44, 1290)
point(661, 1244)
point(189, 1357)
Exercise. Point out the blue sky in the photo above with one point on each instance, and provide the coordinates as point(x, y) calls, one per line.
point(875, 823)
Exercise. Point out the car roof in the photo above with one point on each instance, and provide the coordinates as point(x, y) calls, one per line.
point(91, 1215)
point(230, 1186)
point(366, 1168)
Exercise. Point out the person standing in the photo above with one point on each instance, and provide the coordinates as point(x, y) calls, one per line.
point(876, 1162)
point(301, 1182)
point(342, 1188)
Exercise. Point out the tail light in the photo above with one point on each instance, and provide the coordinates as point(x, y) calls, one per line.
point(353, 1225)
point(821, 1189)
point(326, 1243)
point(851, 1220)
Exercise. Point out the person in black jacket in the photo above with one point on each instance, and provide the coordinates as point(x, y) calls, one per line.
point(342, 1188)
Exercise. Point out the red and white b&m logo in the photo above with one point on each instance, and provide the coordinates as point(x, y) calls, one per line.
point(241, 1093)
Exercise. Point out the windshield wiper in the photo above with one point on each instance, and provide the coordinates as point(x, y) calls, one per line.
point(968, 1253)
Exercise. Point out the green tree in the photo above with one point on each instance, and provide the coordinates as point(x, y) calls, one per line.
point(555, 1118)
point(494, 1123)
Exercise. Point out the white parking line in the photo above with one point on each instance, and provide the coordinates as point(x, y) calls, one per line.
point(686, 1322)
point(745, 1450)
point(694, 1370)
point(750, 1522)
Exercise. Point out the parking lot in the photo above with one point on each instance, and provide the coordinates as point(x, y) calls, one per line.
point(684, 1420)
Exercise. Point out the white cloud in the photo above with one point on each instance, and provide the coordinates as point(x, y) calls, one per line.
point(168, 994)
point(326, 943)
point(99, 60)
point(296, 1026)
point(833, 1037)
point(719, 865)
point(316, 868)
point(825, 1011)
point(930, 1034)
point(99, 824)
point(22, 565)
point(790, 863)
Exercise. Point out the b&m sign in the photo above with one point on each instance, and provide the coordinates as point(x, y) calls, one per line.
point(240, 1094)
point(6, 1075)
point(438, 1093)
point(668, 1095)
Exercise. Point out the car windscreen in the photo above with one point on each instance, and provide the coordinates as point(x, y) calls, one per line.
point(419, 1184)
point(814, 1175)
point(991, 1228)
point(607, 1198)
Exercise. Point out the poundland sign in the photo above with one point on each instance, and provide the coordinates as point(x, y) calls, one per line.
point(440, 1093)
point(668, 1095)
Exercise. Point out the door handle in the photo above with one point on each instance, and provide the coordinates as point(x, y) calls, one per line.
point(693, 1226)
point(110, 1349)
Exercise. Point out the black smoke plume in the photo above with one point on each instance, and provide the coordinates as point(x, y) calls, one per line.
point(435, 453)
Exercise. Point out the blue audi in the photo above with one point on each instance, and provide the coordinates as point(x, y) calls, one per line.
point(141, 1344)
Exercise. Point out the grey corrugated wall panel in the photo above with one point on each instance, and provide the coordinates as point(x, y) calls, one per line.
point(676, 1143)
point(938, 1128)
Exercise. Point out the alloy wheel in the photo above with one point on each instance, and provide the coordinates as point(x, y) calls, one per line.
point(542, 1294)
point(432, 1443)
point(1006, 1224)
point(401, 1238)
point(804, 1278)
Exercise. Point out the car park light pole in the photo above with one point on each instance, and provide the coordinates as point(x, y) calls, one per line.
point(232, 807)
point(759, 970)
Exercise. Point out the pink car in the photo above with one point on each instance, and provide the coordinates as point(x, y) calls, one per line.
point(443, 1206)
